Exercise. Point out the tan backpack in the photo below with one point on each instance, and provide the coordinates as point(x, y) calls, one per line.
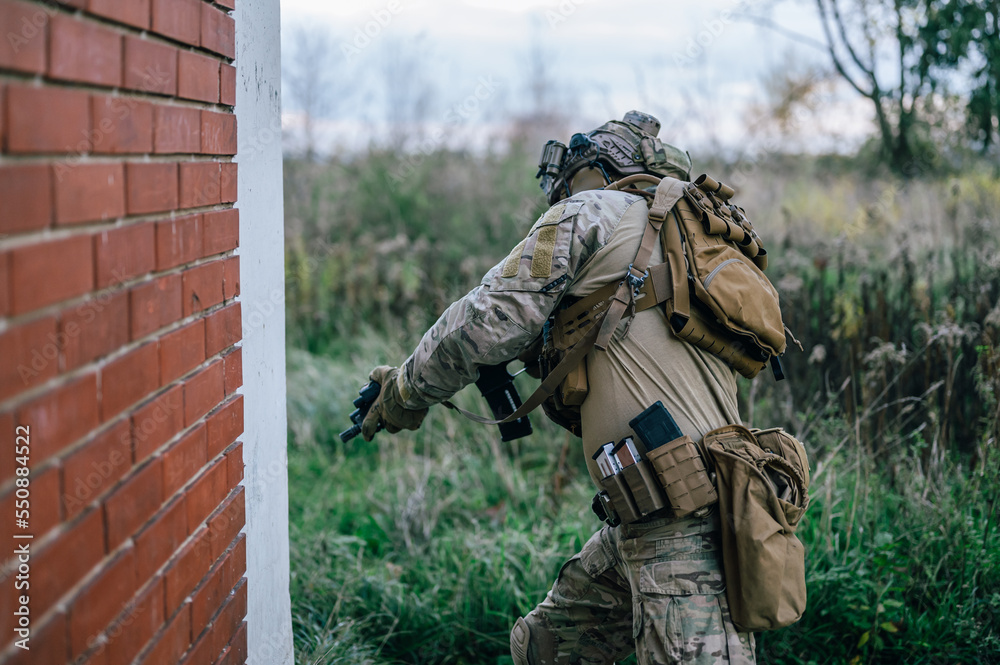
point(711, 286)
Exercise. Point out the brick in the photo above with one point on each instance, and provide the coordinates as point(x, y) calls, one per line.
point(227, 85)
point(157, 422)
point(171, 644)
point(223, 329)
point(204, 650)
point(121, 125)
point(143, 618)
point(50, 272)
point(234, 465)
point(73, 554)
point(155, 544)
point(177, 129)
point(44, 512)
point(200, 184)
point(124, 253)
point(187, 570)
point(61, 416)
point(209, 598)
point(178, 241)
point(150, 67)
point(203, 392)
point(206, 494)
point(96, 467)
point(221, 231)
point(229, 182)
point(238, 647)
point(130, 12)
point(25, 32)
point(197, 77)
point(132, 504)
point(47, 120)
point(183, 460)
point(218, 133)
point(218, 31)
point(3, 111)
point(90, 192)
point(233, 370)
point(178, 19)
point(48, 643)
point(228, 623)
point(101, 601)
point(30, 355)
point(4, 283)
point(128, 379)
point(226, 524)
point(224, 426)
point(25, 197)
point(154, 305)
point(84, 52)
point(202, 287)
point(182, 350)
point(231, 277)
point(93, 329)
point(150, 188)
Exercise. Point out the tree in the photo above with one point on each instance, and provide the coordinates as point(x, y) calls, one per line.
point(960, 32)
point(309, 79)
point(906, 56)
point(875, 46)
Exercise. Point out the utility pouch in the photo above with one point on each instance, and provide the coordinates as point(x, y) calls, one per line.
point(763, 482)
point(621, 498)
point(680, 469)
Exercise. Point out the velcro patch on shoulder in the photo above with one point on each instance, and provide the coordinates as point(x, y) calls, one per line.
point(513, 261)
point(541, 258)
point(544, 233)
point(552, 216)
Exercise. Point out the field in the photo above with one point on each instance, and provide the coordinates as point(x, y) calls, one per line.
point(424, 547)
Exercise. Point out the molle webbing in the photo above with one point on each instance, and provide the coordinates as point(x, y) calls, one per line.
point(572, 323)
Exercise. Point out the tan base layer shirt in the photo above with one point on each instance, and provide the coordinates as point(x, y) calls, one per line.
point(576, 247)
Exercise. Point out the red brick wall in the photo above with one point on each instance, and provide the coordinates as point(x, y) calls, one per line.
point(118, 320)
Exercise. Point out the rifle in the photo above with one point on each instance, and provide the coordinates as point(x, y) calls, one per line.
point(495, 383)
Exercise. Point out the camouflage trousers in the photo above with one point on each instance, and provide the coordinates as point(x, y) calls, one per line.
point(655, 588)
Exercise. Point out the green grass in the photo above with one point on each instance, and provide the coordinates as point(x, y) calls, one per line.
point(424, 547)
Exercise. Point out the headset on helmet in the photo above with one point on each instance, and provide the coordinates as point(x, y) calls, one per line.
point(617, 148)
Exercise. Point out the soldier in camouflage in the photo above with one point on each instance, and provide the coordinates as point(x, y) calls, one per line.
point(653, 587)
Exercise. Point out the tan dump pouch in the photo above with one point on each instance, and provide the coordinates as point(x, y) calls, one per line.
point(762, 497)
point(680, 469)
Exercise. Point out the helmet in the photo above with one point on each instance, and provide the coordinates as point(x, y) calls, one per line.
point(617, 148)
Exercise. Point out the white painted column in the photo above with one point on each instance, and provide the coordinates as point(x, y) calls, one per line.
point(262, 280)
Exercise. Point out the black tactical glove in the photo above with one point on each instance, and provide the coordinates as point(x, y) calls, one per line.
point(388, 407)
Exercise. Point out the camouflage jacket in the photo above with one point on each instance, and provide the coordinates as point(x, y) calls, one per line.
point(506, 312)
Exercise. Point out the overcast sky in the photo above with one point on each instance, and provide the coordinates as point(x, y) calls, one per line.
point(467, 64)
